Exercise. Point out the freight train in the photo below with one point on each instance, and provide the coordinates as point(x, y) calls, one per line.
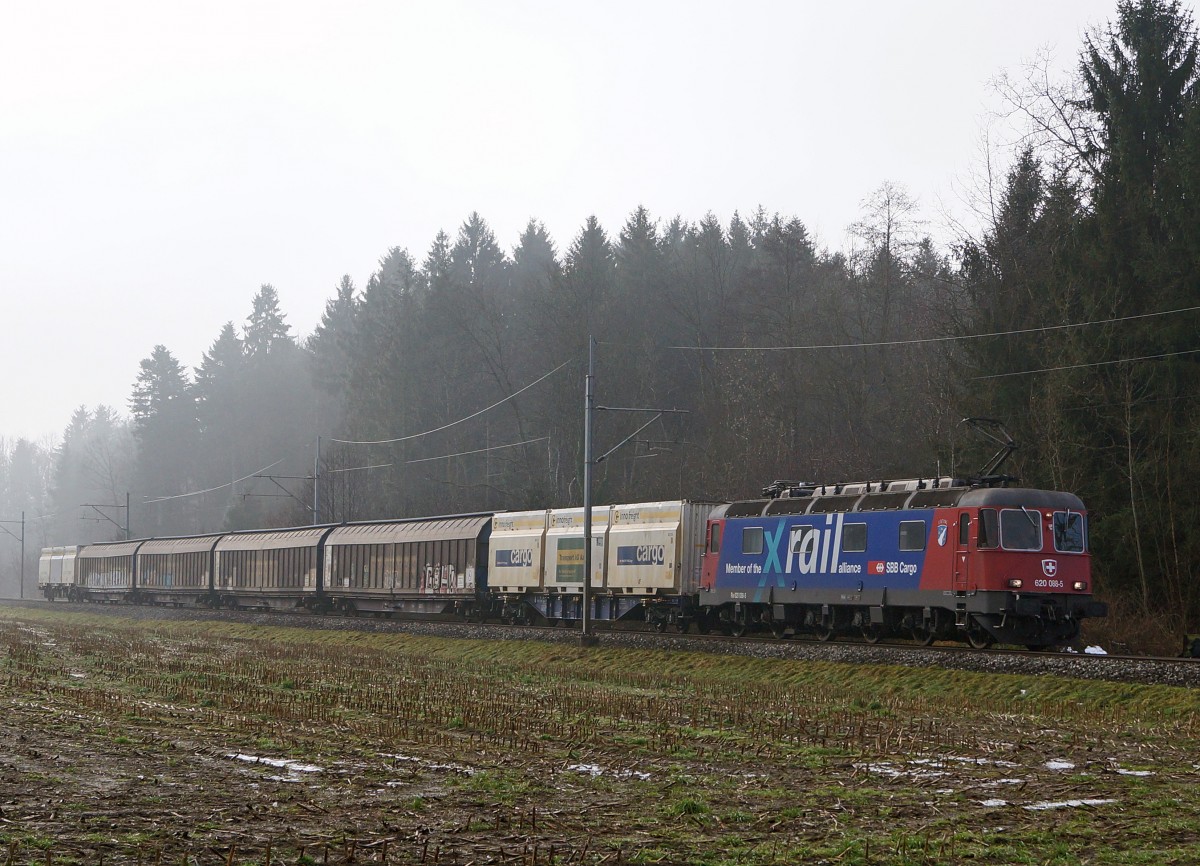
point(923, 559)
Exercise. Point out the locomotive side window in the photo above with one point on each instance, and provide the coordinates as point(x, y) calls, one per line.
point(1020, 529)
point(964, 530)
point(752, 539)
point(912, 534)
point(854, 537)
point(1068, 531)
point(804, 539)
point(714, 539)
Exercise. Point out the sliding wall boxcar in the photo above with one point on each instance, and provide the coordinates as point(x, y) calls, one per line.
point(56, 571)
point(107, 571)
point(655, 548)
point(518, 539)
point(565, 548)
point(176, 570)
point(423, 566)
point(269, 568)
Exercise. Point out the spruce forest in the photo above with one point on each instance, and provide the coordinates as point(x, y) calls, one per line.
point(452, 379)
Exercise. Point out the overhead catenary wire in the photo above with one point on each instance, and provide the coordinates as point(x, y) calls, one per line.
point(151, 501)
point(477, 450)
point(412, 436)
point(357, 468)
point(1089, 364)
point(926, 340)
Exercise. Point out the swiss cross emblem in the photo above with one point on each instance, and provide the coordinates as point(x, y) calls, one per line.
point(1049, 567)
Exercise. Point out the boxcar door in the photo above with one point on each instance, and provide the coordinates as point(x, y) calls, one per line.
point(962, 543)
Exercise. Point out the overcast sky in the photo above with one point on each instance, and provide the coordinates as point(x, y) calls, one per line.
point(159, 161)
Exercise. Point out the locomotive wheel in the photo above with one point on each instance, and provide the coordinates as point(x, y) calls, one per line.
point(872, 633)
point(703, 625)
point(681, 625)
point(825, 632)
point(923, 635)
point(739, 625)
point(977, 636)
point(778, 629)
point(660, 625)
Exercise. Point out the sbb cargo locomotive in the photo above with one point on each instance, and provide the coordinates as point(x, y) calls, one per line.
point(927, 559)
point(938, 559)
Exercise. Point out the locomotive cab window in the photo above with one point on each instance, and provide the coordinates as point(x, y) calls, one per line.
point(714, 538)
point(854, 537)
point(912, 534)
point(1020, 529)
point(752, 539)
point(1068, 532)
point(989, 532)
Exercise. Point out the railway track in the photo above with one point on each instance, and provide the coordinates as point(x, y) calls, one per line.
point(1113, 668)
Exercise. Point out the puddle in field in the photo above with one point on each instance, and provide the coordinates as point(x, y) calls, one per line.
point(1066, 804)
point(948, 760)
point(894, 772)
point(292, 768)
point(596, 770)
point(429, 765)
point(931, 768)
point(1048, 805)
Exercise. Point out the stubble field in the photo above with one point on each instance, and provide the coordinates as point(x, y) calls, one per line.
point(126, 741)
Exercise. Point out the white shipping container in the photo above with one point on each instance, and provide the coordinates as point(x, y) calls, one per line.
point(56, 566)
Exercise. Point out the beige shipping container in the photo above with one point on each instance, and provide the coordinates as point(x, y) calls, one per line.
point(565, 551)
point(515, 560)
point(656, 547)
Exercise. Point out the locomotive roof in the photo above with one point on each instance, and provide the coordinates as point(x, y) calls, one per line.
point(894, 496)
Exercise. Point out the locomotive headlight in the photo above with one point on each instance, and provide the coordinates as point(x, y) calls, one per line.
point(1080, 585)
point(1015, 582)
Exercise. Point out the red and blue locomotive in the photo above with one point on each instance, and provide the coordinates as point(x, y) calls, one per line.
point(929, 559)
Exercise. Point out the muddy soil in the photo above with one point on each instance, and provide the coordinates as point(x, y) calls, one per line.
point(126, 744)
